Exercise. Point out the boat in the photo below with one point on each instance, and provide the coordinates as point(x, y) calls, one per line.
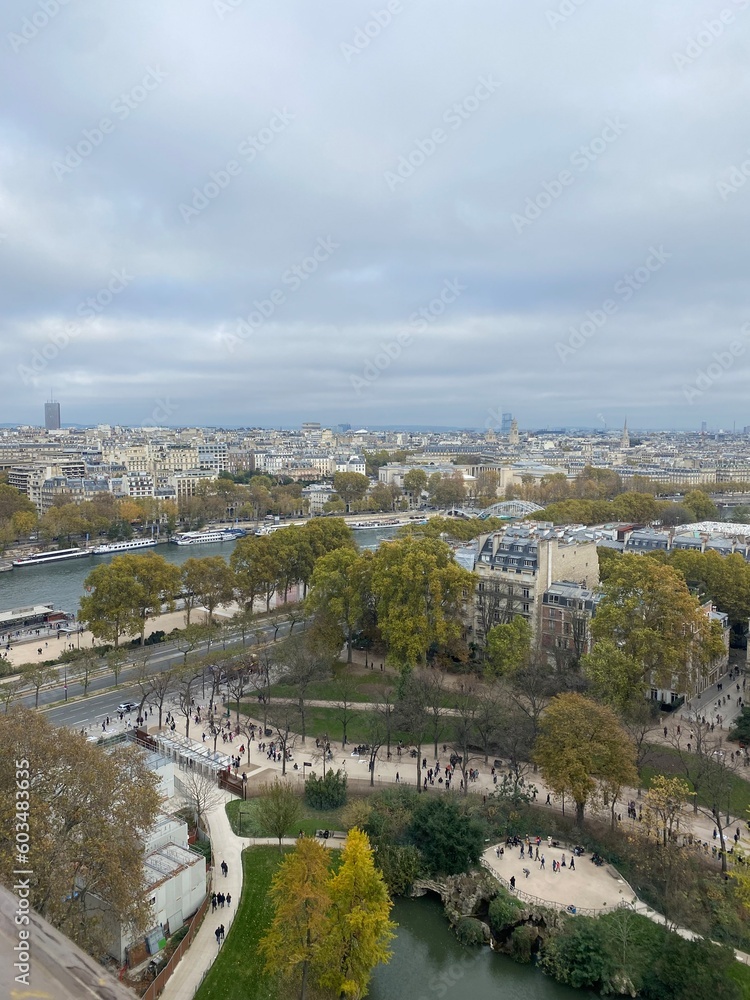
point(206, 537)
point(56, 555)
point(127, 546)
point(383, 522)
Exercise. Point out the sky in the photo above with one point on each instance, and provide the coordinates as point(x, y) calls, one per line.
point(260, 212)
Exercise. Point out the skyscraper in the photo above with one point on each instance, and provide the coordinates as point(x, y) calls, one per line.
point(505, 424)
point(52, 416)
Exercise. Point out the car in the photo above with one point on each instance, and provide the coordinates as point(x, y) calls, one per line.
point(126, 706)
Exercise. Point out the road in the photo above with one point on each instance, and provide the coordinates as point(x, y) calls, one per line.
point(102, 700)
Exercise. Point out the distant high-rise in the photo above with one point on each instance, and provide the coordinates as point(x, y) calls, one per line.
point(704, 427)
point(52, 416)
point(505, 423)
point(513, 432)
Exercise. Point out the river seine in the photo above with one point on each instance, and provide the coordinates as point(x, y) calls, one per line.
point(61, 583)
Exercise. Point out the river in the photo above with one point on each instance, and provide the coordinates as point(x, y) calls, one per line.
point(429, 963)
point(61, 583)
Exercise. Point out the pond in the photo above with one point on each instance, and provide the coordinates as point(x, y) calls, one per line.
point(429, 963)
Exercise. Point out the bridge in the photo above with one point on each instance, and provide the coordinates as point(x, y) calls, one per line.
point(510, 508)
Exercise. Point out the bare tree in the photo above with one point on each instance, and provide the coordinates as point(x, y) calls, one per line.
point(186, 679)
point(285, 721)
point(344, 708)
point(435, 692)
point(201, 794)
point(155, 687)
point(302, 668)
point(411, 714)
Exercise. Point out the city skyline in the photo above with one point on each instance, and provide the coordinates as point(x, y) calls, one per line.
point(249, 215)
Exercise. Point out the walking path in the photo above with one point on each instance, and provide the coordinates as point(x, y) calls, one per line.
point(196, 962)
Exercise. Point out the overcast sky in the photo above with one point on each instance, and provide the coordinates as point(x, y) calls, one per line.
point(257, 199)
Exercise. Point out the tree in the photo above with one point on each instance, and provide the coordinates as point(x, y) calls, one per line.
point(580, 745)
point(300, 899)
point(285, 719)
point(350, 486)
point(337, 591)
point(616, 679)
point(201, 794)
point(649, 614)
point(415, 483)
point(208, 582)
point(38, 676)
point(185, 680)
point(345, 708)
point(84, 666)
point(116, 659)
point(411, 716)
point(109, 606)
point(278, 809)
point(419, 591)
point(358, 930)
point(10, 691)
point(663, 806)
point(447, 491)
point(449, 840)
point(508, 647)
point(701, 506)
point(302, 667)
point(157, 583)
point(87, 818)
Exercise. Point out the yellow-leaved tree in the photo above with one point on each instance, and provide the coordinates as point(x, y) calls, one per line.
point(300, 898)
point(358, 929)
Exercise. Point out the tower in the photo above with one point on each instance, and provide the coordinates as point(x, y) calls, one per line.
point(505, 423)
point(625, 439)
point(52, 416)
point(513, 435)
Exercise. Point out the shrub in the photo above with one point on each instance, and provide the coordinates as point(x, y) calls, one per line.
point(522, 942)
point(400, 866)
point(450, 841)
point(470, 931)
point(326, 793)
point(503, 912)
point(578, 954)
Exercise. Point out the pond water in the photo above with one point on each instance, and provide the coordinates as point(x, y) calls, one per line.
point(429, 963)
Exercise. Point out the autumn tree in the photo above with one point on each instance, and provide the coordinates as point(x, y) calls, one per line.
point(582, 746)
point(357, 929)
point(648, 613)
point(663, 806)
point(87, 819)
point(38, 676)
point(300, 899)
point(278, 809)
point(206, 582)
point(109, 606)
point(350, 486)
point(616, 679)
point(337, 592)
point(508, 647)
point(419, 590)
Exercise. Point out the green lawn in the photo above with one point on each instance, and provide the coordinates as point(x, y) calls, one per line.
point(664, 760)
point(238, 973)
point(242, 817)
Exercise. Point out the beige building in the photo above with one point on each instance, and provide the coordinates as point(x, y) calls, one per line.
point(517, 565)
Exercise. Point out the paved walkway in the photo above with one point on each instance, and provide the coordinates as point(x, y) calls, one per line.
point(198, 959)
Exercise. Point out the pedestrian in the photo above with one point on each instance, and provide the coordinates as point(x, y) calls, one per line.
point(513, 881)
point(549, 800)
point(217, 932)
point(526, 872)
point(229, 899)
point(221, 930)
point(398, 779)
point(572, 864)
point(497, 851)
point(541, 863)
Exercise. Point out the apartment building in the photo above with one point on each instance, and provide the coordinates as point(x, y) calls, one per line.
point(518, 564)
